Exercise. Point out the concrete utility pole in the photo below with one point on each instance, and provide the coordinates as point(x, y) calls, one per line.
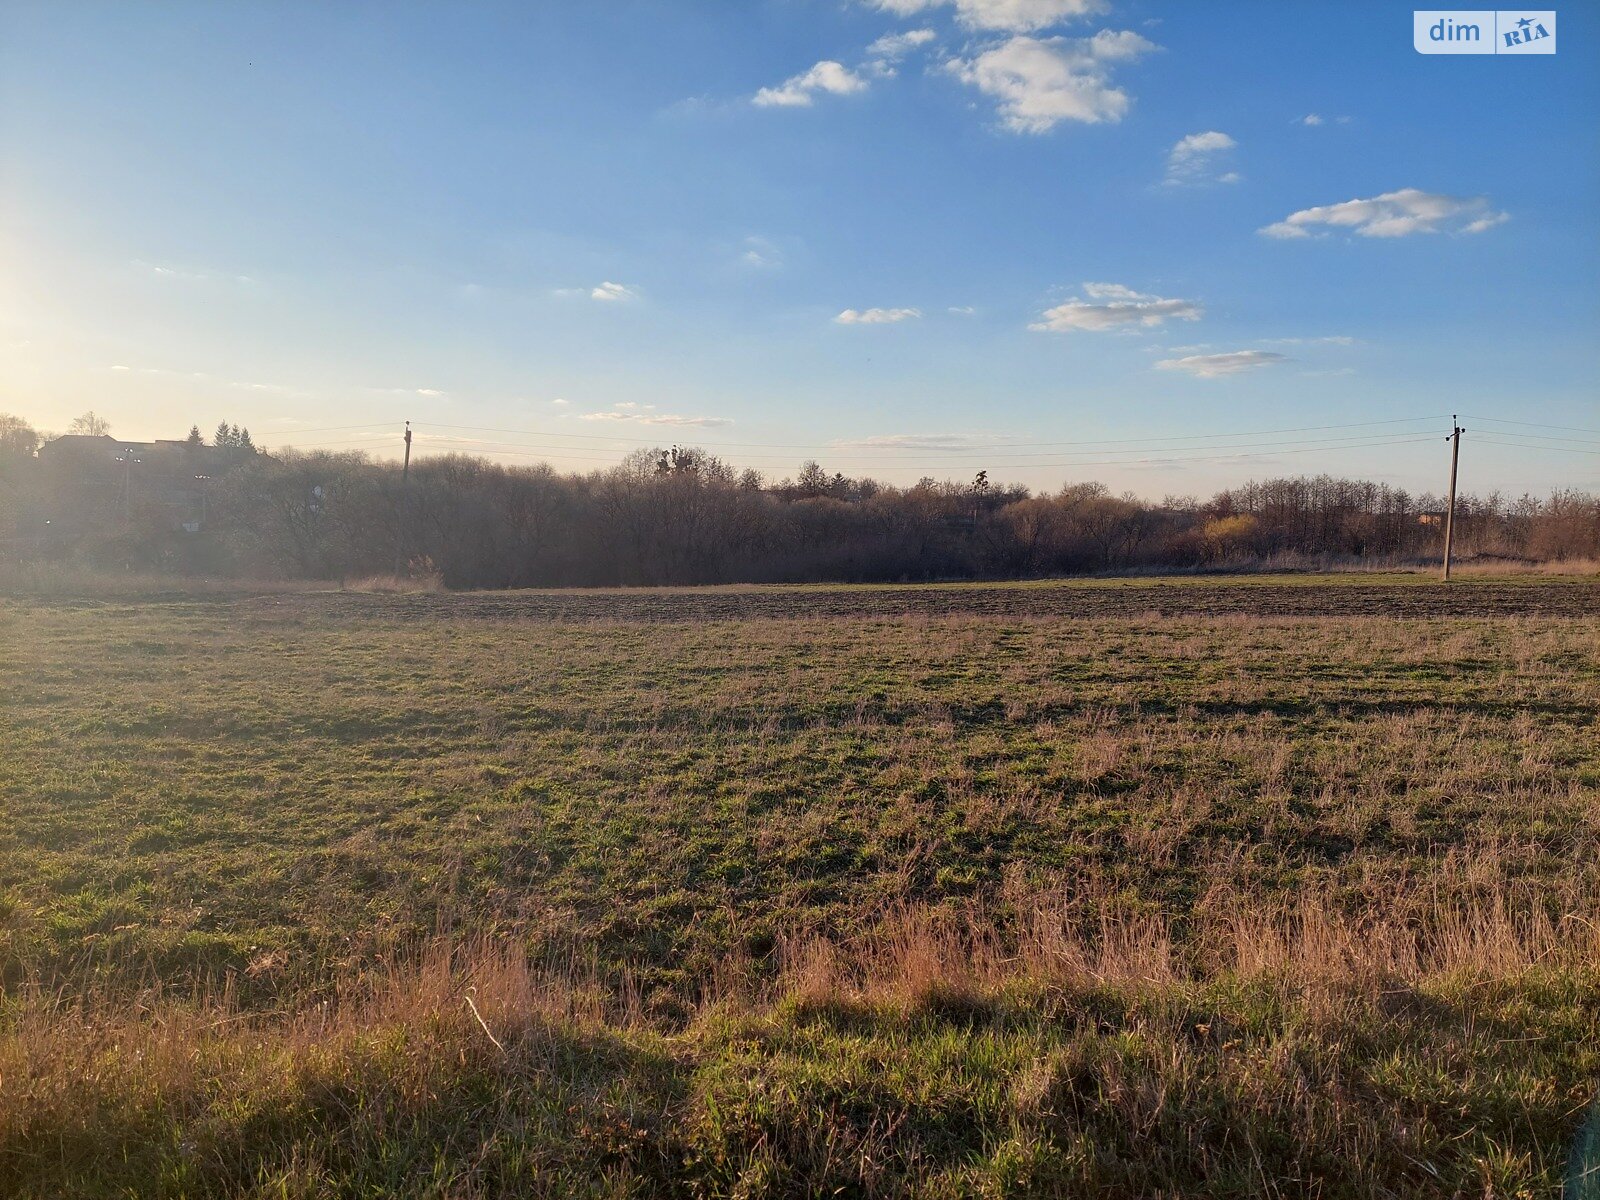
point(405, 507)
point(1450, 513)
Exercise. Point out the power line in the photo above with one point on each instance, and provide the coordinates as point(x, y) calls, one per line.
point(1116, 462)
point(1532, 424)
point(544, 433)
point(1046, 458)
point(1042, 457)
point(1544, 437)
point(1490, 440)
point(331, 429)
point(376, 437)
point(1176, 454)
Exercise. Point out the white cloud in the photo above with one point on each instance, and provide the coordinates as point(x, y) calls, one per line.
point(610, 291)
point(1202, 143)
point(898, 45)
point(560, 403)
point(1194, 159)
point(961, 310)
point(1112, 306)
point(1338, 340)
point(191, 274)
point(1311, 119)
point(797, 91)
point(1014, 16)
point(1211, 366)
point(930, 441)
point(1393, 214)
point(1039, 82)
point(876, 316)
point(760, 253)
point(639, 414)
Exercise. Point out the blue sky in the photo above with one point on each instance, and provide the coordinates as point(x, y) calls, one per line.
point(1057, 239)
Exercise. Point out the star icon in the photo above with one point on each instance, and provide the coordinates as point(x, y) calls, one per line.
point(1524, 23)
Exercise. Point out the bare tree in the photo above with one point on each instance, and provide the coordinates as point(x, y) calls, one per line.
point(90, 424)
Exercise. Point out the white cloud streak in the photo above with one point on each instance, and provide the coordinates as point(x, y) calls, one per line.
point(876, 316)
point(1011, 16)
point(1393, 214)
point(1039, 82)
point(759, 253)
point(798, 90)
point(894, 46)
point(190, 274)
point(1194, 159)
point(929, 441)
point(1113, 306)
point(637, 415)
point(1214, 366)
point(209, 380)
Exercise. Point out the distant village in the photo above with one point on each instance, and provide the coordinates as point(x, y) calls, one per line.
point(219, 506)
point(60, 489)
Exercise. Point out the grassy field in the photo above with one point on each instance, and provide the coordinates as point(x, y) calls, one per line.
point(1261, 886)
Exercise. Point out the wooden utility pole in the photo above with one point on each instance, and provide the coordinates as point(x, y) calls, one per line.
point(402, 540)
point(1450, 513)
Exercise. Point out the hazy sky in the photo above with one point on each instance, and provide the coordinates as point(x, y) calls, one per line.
point(903, 237)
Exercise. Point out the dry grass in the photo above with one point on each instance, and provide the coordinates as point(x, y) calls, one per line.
point(1027, 902)
point(423, 583)
point(67, 580)
point(1372, 1043)
point(1492, 566)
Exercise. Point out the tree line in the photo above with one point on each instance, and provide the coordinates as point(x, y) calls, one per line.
point(682, 515)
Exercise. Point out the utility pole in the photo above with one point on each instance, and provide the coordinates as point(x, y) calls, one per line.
point(405, 507)
point(1450, 513)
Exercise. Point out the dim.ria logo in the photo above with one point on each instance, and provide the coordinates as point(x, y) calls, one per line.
point(1526, 31)
point(1484, 31)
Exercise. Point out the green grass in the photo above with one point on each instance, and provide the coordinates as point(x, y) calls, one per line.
point(258, 803)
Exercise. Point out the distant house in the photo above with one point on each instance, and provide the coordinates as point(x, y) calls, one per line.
point(90, 450)
point(91, 477)
point(1431, 519)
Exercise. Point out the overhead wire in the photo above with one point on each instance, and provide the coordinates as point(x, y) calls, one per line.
point(1531, 424)
point(328, 429)
point(1161, 458)
point(1488, 441)
point(475, 445)
point(826, 446)
point(484, 446)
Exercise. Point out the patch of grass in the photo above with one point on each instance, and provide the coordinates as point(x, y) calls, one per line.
point(1441, 1053)
point(1000, 890)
